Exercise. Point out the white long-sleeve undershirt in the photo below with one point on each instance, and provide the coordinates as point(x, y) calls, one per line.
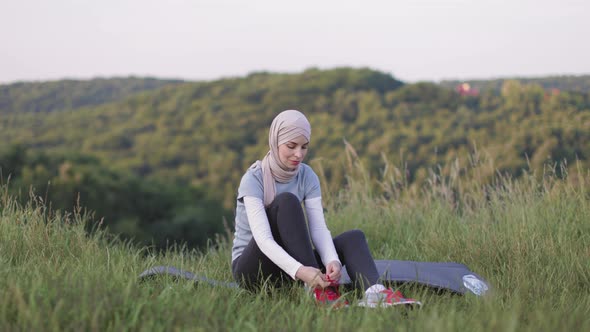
point(320, 235)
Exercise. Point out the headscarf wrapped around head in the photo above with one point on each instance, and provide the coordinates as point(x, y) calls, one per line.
point(285, 127)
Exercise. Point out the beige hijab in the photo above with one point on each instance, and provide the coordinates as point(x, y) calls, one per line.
point(286, 126)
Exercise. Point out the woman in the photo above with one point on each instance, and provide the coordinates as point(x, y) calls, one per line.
point(272, 241)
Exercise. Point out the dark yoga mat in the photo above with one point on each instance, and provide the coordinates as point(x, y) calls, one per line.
point(454, 277)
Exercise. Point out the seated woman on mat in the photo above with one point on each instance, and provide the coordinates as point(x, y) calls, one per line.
point(272, 241)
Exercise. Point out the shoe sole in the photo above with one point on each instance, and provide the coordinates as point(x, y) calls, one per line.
point(385, 305)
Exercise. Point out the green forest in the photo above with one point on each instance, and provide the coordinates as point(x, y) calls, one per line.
point(159, 161)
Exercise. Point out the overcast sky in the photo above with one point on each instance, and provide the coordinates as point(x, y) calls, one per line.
point(208, 39)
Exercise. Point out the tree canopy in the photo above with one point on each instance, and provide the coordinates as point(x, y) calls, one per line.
point(203, 135)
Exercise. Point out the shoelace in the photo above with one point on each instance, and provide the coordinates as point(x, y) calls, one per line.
point(330, 294)
point(393, 295)
point(397, 297)
point(333, 283)
point(327, 294)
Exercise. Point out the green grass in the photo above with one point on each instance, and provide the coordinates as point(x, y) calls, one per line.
point(530, 239)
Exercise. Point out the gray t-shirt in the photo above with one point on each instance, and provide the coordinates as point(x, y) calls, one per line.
point(305, 185)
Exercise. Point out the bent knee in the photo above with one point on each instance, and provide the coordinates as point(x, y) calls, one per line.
point(286, 198)
point(354, 235)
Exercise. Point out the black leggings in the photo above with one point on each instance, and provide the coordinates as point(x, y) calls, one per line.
point(289, 229)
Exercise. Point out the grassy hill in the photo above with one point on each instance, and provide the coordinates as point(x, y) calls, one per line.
point(44, 97)
point(206, 133)
point(529, 238)
point(160, 160)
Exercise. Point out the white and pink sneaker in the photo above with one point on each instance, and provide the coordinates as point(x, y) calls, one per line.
point(386, 298)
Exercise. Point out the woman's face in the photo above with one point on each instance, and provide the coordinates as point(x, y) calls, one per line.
point(292, 153)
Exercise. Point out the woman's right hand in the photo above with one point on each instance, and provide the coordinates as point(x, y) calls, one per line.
point(313, 277)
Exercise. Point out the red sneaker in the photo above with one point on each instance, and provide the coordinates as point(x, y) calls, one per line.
point(387, 298)
point(330, 296)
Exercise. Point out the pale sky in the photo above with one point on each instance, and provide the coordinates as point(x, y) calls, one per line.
point(209, 39)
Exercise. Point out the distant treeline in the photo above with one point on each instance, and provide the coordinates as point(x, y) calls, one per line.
point(205, 134)
point(148, 211)
point(36, 97)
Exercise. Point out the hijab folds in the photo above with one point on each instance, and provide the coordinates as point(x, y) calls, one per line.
point(286, 126)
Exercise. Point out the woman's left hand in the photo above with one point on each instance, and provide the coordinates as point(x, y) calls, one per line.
point(333, 271)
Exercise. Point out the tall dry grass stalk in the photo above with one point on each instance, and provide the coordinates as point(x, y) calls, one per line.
point(528, 236)
point(464, 183)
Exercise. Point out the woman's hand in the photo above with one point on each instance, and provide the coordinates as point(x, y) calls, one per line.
point(333, 271)
point(313, 277)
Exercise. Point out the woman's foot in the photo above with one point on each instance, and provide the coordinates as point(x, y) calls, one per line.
point(329, 296)
point(386, 298)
